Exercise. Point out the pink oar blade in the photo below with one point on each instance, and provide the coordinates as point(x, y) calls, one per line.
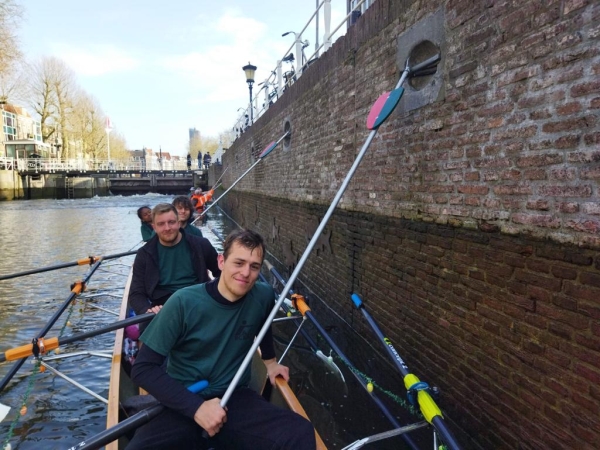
point(268, 149)
point(383, 107)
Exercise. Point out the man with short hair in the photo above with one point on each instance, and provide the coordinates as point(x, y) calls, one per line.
point(170, 260)
point(206, 331)
point(185, 209)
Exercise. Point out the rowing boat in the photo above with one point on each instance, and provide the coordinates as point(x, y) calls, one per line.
point(122, 387)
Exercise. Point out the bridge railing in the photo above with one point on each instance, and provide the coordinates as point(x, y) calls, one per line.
point(88, 165)
point(279, 79)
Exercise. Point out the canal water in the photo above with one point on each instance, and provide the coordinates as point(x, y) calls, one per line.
point(49, 413)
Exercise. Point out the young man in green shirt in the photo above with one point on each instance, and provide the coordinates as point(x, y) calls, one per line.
point(170, 260)
point(185, 210)
point(206, 332)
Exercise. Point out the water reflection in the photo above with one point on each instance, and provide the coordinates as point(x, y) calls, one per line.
point(41, 233)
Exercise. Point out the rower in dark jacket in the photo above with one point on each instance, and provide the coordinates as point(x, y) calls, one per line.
point(172, 259)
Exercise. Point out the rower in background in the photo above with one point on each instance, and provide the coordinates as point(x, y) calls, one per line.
point(185, 210)
point(145, 215)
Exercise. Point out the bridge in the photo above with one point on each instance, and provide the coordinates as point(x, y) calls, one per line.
point(125, 177)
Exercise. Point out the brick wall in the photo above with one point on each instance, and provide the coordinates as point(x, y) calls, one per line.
point(472, 225)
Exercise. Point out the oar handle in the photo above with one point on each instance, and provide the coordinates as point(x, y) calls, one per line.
point(357, 301)
point(131, 423)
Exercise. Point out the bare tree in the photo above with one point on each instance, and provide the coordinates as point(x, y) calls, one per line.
point(85, 125)
point(203, 144)
point(52, 89)
point(10, 13)
point(209, 145)
point(118, 145)
point(13, 83)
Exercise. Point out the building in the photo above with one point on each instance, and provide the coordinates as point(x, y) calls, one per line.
point(21, 135)
point(194, 135)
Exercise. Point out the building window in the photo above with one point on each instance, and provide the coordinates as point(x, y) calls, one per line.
point(9, 121)
point(37, 135)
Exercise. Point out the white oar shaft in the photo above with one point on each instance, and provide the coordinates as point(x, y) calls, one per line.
point(303, 259)
point(230, 188)
point(239, 179)
point(217, 182)
point(4, 410)
point(386, 435)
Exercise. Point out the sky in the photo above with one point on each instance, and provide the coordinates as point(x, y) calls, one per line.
point(158, 68)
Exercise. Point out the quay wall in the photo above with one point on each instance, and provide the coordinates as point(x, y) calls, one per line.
point(472, 225)
point(12, 186)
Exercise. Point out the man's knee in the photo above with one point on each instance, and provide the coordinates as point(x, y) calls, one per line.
point(300, 434)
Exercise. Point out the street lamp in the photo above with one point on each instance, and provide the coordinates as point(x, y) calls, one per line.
point(250, 69)
point(108, 129)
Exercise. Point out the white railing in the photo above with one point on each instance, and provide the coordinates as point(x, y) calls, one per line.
point(89, 165)
point(277, 81)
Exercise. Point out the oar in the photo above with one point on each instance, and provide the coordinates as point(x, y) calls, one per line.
point(80, 262)
point(301, 306)
point(385, 435)
point(75, 290)
point(327, 360)
point(131, 423)
point(268, 149)
point(41, 345)
point(4, 410)
point(222, 175)
point(429, 408)
point(380, 111)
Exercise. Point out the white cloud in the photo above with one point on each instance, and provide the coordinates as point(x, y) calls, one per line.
point(96, 60)
point(213, 71)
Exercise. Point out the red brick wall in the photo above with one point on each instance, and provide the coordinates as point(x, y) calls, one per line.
point(508, 327)
point(472, 225)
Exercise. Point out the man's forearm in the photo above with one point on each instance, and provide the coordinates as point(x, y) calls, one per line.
point(148, 372)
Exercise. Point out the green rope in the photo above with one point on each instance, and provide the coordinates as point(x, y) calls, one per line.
point(71, 308)
point(397, 399)
point(36, 370)
point(28, 391)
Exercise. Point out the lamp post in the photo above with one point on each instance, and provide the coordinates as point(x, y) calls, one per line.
point(108, 129)
point(250, 69)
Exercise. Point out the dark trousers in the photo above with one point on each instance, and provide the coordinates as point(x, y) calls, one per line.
point(252, 424)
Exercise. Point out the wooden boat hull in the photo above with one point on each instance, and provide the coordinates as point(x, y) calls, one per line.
point(121, 387)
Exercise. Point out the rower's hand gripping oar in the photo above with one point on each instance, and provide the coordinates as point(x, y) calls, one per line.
point(428, 407)
point(268, 149)
point(131, 423)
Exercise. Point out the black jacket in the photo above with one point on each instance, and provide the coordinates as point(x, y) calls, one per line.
point(143, 292)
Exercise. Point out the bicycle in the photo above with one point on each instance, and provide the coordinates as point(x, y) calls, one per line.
point(304, 61)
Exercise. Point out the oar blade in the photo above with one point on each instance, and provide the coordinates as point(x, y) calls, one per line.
point(268, 149)
point(4, 410)
point(383, 107)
